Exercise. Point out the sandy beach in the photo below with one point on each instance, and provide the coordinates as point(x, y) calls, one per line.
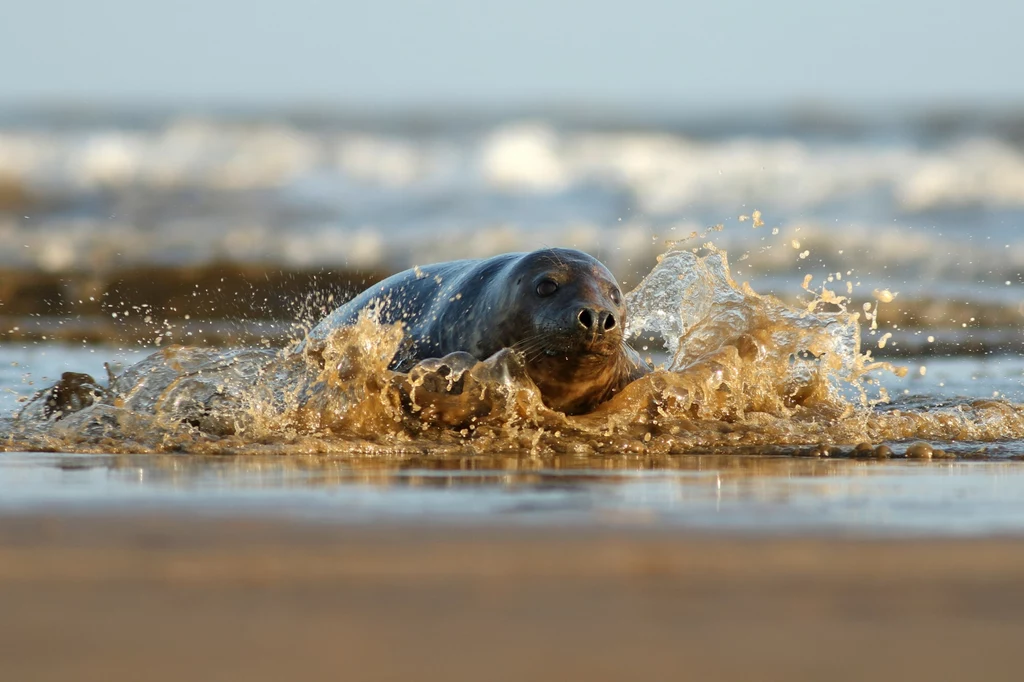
point(179, 596)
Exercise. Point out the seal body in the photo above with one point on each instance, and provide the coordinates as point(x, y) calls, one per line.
point(560, 308)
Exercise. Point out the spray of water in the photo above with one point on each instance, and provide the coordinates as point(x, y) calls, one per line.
point(735, 369)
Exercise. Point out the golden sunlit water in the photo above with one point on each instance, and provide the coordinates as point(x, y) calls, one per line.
point(735, 369)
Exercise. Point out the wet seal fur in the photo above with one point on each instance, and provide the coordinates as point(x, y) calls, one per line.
point(561, 309)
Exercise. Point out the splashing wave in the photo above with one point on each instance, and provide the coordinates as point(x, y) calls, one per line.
point(742, 370)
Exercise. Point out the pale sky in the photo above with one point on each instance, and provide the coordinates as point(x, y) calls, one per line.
point(634, 54)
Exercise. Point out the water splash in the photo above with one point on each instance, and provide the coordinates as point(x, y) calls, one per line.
point(741, 369)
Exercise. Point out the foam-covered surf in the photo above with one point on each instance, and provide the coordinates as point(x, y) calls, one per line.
point(930, 206)
point(193, 190)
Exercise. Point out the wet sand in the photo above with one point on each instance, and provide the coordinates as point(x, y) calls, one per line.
point(172, 597)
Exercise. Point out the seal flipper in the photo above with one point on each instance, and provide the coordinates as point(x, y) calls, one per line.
point(75, 391)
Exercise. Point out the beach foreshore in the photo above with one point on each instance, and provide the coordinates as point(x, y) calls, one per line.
point(171, 596)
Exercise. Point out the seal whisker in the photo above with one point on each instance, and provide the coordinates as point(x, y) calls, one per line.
point(540, 338)
point(533, 347)
point(531, 343)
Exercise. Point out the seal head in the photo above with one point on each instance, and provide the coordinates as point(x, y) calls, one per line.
point(567, 319)
point(561, 309)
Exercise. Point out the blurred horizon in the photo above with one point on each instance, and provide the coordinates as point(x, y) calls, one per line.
point(925, 121)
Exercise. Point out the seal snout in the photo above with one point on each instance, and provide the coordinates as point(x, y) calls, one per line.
point(596, 321)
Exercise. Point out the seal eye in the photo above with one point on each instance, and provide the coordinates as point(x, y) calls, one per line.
point(616, 297)
point(547, 287)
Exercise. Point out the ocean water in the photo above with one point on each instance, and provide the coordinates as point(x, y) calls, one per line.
point(875, 262)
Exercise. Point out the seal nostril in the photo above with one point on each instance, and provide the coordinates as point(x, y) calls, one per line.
point(609, 322)
point(586, 318)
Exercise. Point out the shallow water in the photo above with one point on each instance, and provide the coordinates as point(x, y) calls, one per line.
point(714, 492)
point(761, 489)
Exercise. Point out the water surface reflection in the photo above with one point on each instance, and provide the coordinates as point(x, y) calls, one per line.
point(706, 491)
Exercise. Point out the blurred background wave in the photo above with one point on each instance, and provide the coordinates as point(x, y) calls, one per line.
point(148, 149)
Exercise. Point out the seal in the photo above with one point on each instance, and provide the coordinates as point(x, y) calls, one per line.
point(561, 309)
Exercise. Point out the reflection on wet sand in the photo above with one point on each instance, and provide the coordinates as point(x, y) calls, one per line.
point(504, 470)
point(697, 491)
